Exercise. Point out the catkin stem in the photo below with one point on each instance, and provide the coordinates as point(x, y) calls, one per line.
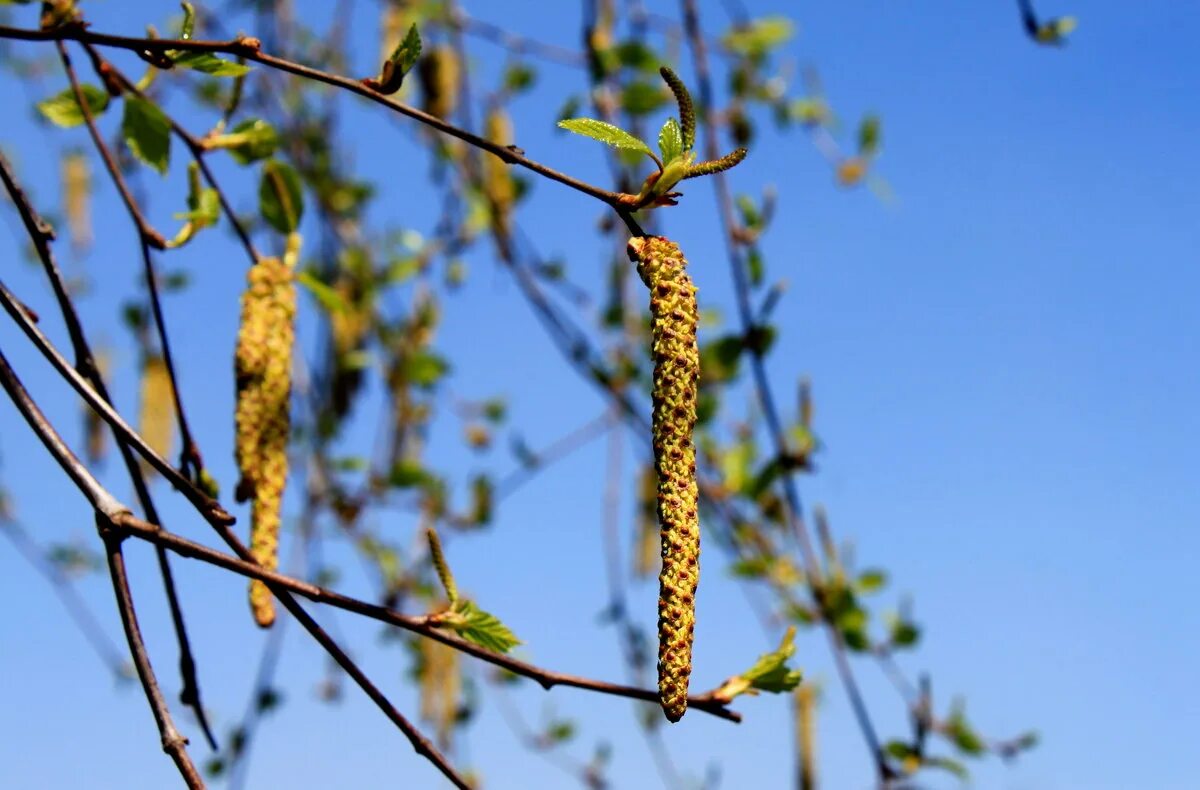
point(661, 266)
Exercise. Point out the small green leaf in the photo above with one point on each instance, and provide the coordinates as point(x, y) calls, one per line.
point(643, 98)
point(670, 141)
point(519, 77)
point(871, 580)
point(868, 135)
point(405, 55)
point(408, 474)
point(484, 629)
point(62, 109)
point(606, 133)
point(769, 673)
point(560, 731)
point(189, 21)
point(147, 132)
point(758, 37)
point(208, 63)
point(948, 764)
point(251, 140)
point(424, 369)
point(280, 198)
point(327, 297)
point(899, 749)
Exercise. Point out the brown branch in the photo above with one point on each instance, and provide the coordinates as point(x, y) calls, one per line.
point(425, 625)
point(248, 48)
point(196, 147)
point(110, 514)
point(41, 234)
point(144, 229)
point(107, 508)
point(208, 508)
point(793, 510)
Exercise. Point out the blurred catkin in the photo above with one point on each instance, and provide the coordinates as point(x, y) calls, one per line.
point(156, 421)
point(77, 193)
point(661, 265)
point(263, 365)
point(440, 72)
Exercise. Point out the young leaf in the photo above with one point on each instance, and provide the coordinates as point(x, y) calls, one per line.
point(484, 629)
point(606, 133)
point(399, 63)
point(208, 63)
point(670, 141)
point(147, 132)
point(769, 673)
point(62, 110)
point(407, 51)
point(280, 198)
point(868, 136)
point(251, 140)
point(189, 21)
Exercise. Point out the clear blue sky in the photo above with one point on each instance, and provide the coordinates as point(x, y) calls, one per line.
point(1006, 379)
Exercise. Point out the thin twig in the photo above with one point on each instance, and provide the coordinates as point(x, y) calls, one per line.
point(107, 508)
point(41, 234)
point(248, 48)
point(424, 625)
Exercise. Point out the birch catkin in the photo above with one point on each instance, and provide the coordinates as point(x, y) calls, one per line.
point(263, 364)
point(661, 264)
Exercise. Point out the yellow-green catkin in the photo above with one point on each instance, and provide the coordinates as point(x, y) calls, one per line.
point(440, 74)
point(263, 365)
point(156, 420)
point(661, 265)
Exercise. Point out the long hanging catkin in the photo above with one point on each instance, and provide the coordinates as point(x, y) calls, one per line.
point(661, 264)
point(263, 365)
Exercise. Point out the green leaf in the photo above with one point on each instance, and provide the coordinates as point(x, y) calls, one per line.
point(189, 21)
point(424, 368)
point(484, 629)
point(948, 764)
point(251, 140)
point(871, 580)
point(770, 672)
point(868, 135)
point(670, 141)
point(518, 77)
point(960, 731)
point(62, 109)
point(280, 198)
point(758, 37)
point(405, 55)
point(208, 63)
point(899, 749)
point(643, 98)
point(408, 474)
point(560, 731)
point(327, 297)
point(147, 132)
point(606, 133)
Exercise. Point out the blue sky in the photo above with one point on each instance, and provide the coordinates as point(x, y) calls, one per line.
point(1004, 366)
